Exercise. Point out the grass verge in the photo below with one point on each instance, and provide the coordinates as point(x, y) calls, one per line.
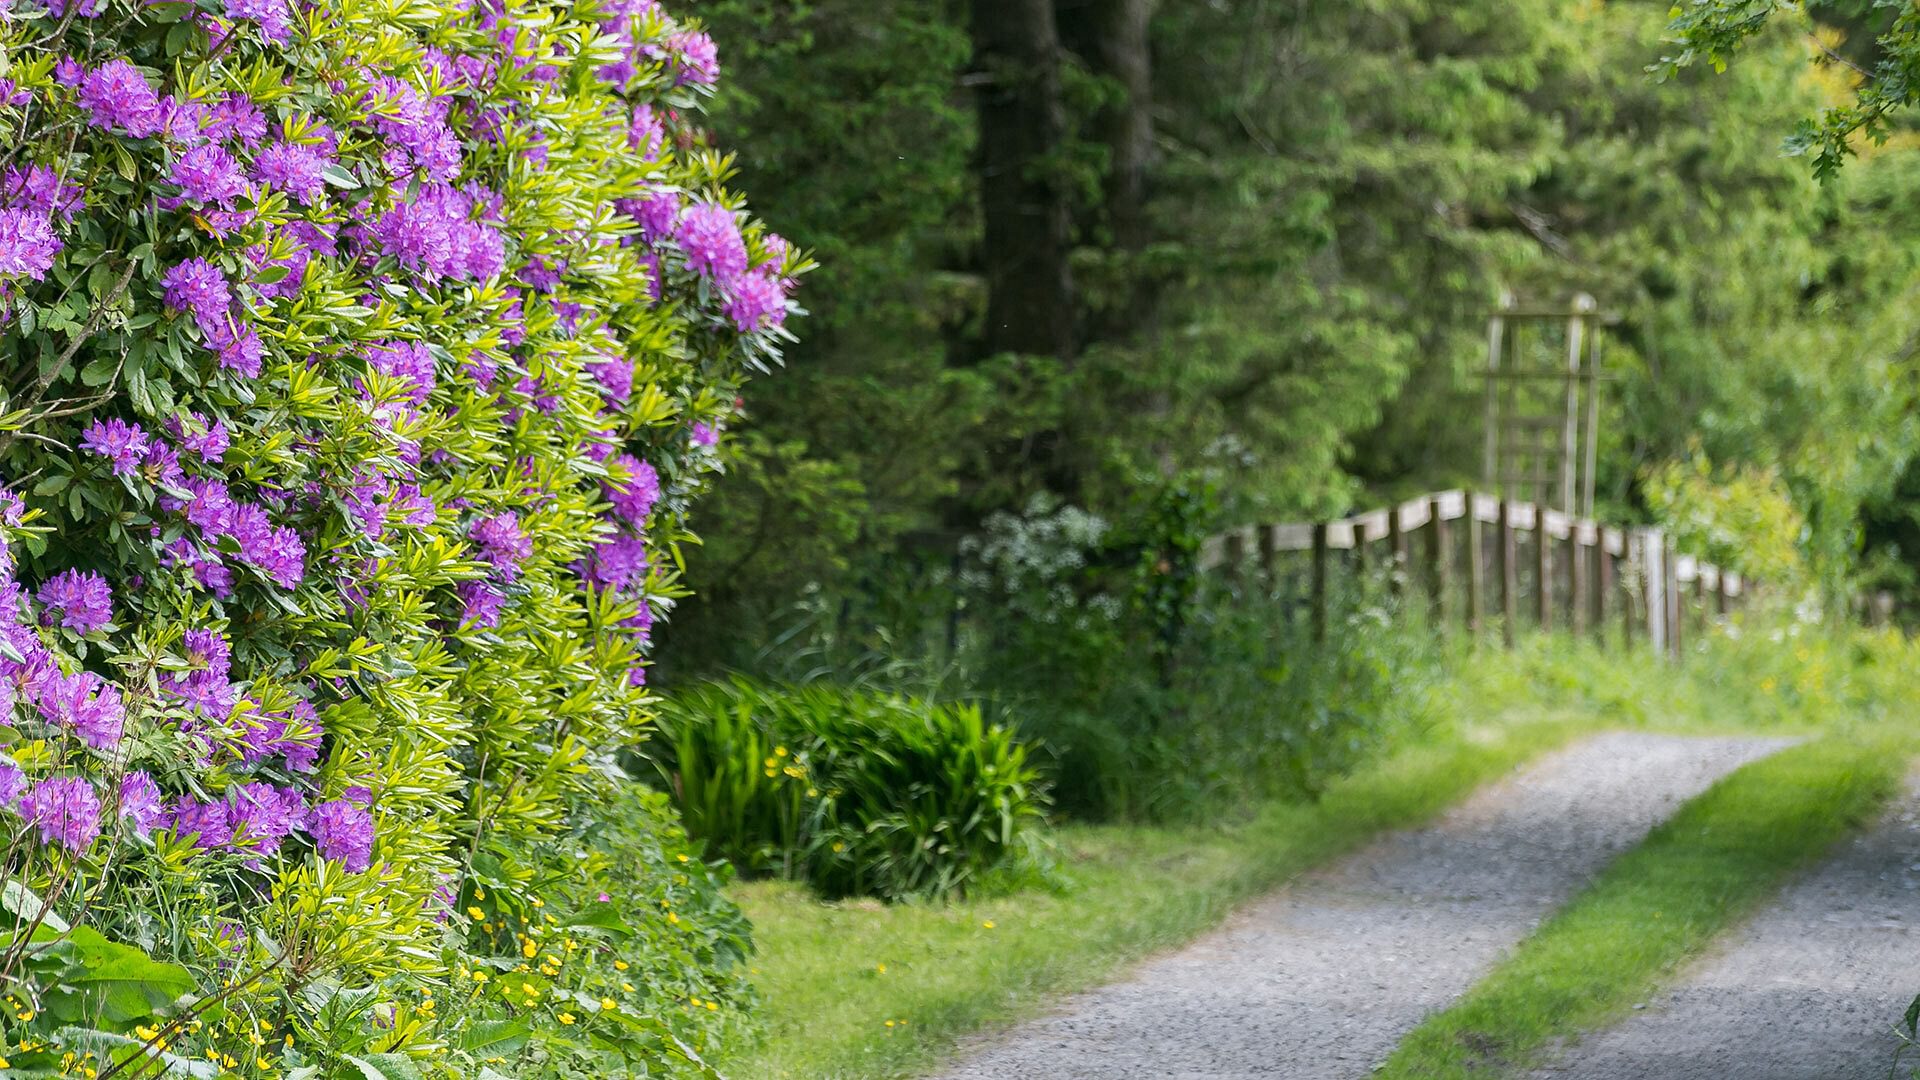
point(859, 990)
point(1708, 866)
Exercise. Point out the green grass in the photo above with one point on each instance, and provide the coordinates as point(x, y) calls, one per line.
point(1124, 892)
point(1710, 865)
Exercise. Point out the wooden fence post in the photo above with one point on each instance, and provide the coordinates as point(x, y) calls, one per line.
point(1439, 564)
point(1267, 536)
point(1543, 568)
point(1508, 573)
point(1318, 596)
point(1676, 610)
point(1236, 554)
point(1636, 573)
point(1577, 578)
point(1599, 584)
point(1476, 572)
point(1397, 568)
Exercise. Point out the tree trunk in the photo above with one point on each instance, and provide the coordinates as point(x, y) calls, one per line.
point(1111, 38)
point(1027, 229)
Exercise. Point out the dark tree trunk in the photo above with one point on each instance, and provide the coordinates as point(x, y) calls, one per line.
point(1027, 231)
point(1111, 38)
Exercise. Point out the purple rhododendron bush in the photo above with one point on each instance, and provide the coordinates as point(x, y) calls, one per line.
point(361, 362)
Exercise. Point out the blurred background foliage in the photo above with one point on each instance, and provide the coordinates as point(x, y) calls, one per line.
point(1102, 276)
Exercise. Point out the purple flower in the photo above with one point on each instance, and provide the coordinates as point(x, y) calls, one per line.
point(756, 301)
point(409, 361)
point(126, 445)
point(27, 244)
point(343, 832)
point(88, 704)
point(207, 823)
point(502, 543)
point(296, 169)
point(12, 783)
point(436, 237)
point(116, 96)
point(634, 497)
point(66, 809)
point(646, 132)
point(615, 376)
point(235, 118)
point(140, 801)
point(208, 175)
point(207, 438)
point(84, 599)
point(237, 347)
point(618, 562)
point(694, 59)
point(269, 15)
point(703, 435)
point(656, 213)
point(294, 736)
point(162, 467)
point(711, 238)
point(198, 287)
point(262, 816)
point(40, 189)
point(86, 9)
point(480, 604)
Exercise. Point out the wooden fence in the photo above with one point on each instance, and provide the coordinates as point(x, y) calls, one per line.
point(1483, 561)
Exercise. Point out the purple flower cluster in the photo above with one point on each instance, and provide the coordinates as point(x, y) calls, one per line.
point(711, 239)
point(343, 832)
point(258, 818)
point(415, 126)
point(39, 189)
point(693, 59)
point(298, 169)
point(27, 244)
point(117, 98)
point(209, 176)
point(438, 235)
point(83, 601)
point(200, 289)
point(756, 298)
point(634, 494)
point(66, 810)
point(141, 802)
point(269, 15)
point(124, 444)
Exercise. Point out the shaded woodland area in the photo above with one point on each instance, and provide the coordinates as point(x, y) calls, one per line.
point(1091, 251)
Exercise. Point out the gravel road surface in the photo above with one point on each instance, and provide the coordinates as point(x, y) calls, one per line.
point(1322, 978)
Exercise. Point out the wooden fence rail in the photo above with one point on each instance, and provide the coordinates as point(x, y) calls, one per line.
point(1571, 569)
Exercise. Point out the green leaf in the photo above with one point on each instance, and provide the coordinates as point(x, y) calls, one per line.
point(495, 1037)
point(26, 904)
point(386, 1067)
point(100, 370)
point(113, 983)
point(339, 177)
point(53, 485)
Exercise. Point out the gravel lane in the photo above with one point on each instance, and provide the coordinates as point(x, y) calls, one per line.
point(1809, 990)
point(1322, 978)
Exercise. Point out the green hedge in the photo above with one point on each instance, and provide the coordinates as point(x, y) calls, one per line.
point(851, 791)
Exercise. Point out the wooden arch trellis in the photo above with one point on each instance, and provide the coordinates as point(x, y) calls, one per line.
point(1542, 419)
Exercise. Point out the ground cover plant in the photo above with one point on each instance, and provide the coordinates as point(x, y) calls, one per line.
point(850, 790)
point(360, 363)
